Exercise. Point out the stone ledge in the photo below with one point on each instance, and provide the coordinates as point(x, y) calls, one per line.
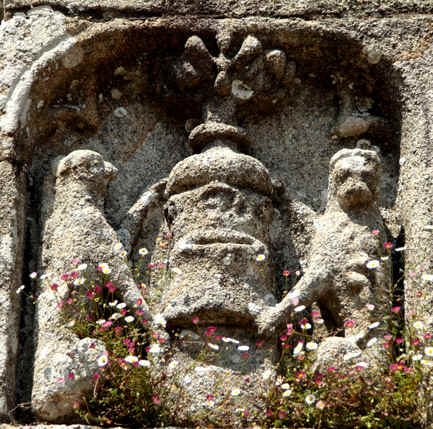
point(73, 426)
point(236, 8)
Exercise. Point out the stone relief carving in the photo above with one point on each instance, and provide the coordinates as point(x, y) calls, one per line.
point(73, 226)
point(219, 206)
point(338, 276)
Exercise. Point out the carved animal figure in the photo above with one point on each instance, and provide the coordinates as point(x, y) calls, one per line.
point(346, 275)
point(74, 226)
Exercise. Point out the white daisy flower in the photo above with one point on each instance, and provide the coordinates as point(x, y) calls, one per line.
point(131, 359)
point(287, 393)
point(298, 349)
point(418, 325)
point(243, 348)
point(371, 342)
point(115, 316)
point(267, 374)
point(155, 348)
point(311, 345)
point(102, 361)
point(159, 320)
point(372, 265)
point(236, 392)
point(310, 399)
point(173, 364)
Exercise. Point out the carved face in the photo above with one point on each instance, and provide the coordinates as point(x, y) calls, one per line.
point(356, 182)
point(224, 213)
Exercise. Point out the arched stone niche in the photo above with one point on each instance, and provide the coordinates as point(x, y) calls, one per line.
point(112, 89)
point(72, 106)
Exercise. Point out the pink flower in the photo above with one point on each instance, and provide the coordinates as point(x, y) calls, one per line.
point(71, 376)
point(217, 337)
point(168, 235)
point(301, 376)
point(90, 294)
point(64, 277)
point(60, 304)
point(375, 232)
point(195, 320)
point(211, 329)
point(289, 329)
point(244, 355)
point(387, 337)
point(399, 340)
point(69, 301)
point(107, 324)
point(76, 405)
point(393, 367)
point(387, 245)
point(75, 261)
point(259, 344)
point(349, 323)
point(156, 400)
point(139, 312)
point(415, 342)
point(269, 413)
point(74, 274)
point(139, 302)
point(283, 337)
point(96, 376)
point(110, 286)
point(396, 309)
point(286, 273)
point(315, 313)
point(98, 289)
point(427, 336)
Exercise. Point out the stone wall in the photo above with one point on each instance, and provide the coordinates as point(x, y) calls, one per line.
point(104, 76)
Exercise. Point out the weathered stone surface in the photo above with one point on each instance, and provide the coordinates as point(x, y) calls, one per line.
point(73, 226)
point(12, 205)
point(238, 8)
point(60, 68)
point(349, 271)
